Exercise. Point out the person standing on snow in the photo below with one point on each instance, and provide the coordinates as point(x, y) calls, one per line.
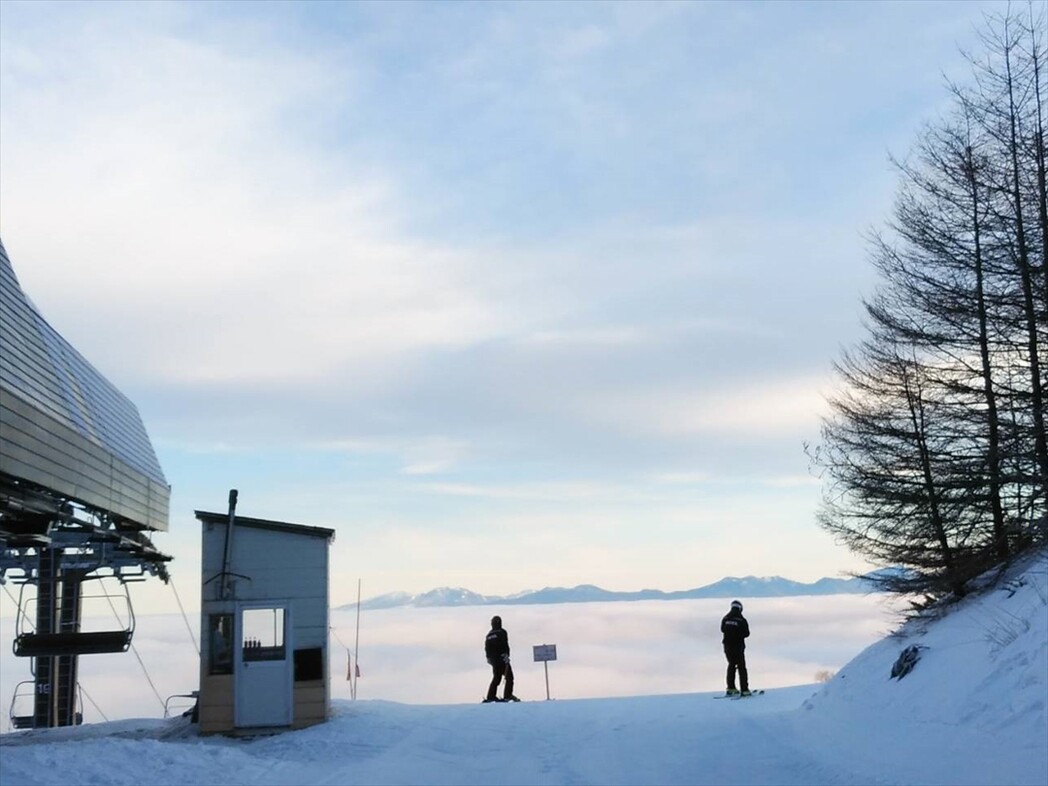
point(735, 630)
point(496, 649)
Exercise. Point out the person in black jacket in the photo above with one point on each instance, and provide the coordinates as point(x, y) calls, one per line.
point(735, 630)
point(496, 649)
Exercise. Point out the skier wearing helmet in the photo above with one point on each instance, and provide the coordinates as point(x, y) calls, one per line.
point(496, 650)
point(735, 630)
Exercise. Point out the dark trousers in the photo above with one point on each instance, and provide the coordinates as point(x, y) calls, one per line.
point(737, 660)
point(498, 671)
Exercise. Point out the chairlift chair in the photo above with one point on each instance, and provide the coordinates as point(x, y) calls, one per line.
point(32, 644)
point(21, 721)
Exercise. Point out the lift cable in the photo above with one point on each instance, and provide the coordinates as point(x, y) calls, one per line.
point(134, 649)
point(349, 659)
point(335, 634)
point(171, 581)
point(150, 681)
point(88, 697)
point(18, 608)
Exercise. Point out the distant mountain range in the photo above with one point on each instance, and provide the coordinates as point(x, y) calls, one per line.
point(730, 587)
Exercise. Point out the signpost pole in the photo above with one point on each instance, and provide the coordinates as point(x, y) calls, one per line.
point(545, 665)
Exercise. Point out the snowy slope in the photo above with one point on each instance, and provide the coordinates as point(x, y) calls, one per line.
point(974, 706)
point(973, 711)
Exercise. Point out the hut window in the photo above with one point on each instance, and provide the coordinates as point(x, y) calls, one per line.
point(220, 627)
point(263, 631)
point(309, 664)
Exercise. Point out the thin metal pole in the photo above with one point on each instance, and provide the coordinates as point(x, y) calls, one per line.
point(356, 646)
point(228, 551)
point(545, 665)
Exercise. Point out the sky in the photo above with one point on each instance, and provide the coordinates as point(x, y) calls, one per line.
point(971, 711)
point(510, 295)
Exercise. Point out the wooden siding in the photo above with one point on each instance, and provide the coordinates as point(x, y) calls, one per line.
point(216, 703)
point(311, 703)
point(266, 548)
point(278, 565)
point(309, 637)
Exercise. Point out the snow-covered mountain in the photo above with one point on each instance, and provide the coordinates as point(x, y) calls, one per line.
point(729, 587)
point(442, 596)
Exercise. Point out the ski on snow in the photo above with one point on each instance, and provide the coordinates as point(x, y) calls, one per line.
point(737, 696)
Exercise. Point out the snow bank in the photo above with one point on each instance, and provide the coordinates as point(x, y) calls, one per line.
point(974, 709)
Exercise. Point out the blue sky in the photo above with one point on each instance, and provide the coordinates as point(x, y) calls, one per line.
point(508, 294)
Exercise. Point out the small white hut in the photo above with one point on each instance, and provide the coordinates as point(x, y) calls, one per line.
point(264, 624)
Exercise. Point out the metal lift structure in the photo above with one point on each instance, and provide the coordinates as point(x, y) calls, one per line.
point(81, 493)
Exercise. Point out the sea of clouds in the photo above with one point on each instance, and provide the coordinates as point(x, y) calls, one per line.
point(436, 655)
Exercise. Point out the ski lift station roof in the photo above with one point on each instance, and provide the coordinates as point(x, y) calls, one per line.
point(65, 430)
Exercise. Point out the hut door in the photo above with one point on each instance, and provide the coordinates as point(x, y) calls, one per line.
point(264, 674)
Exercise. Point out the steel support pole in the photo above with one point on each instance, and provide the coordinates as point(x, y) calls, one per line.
point(43, 671)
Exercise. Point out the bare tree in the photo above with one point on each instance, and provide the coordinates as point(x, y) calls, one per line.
point(935, 452)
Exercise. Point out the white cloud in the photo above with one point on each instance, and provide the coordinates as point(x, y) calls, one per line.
point(775, 408)
point(580, 42)
point(780, 406)
point(683, 478)
point(551, 491)
point(434, 456)
point(190, 206)
point(606, 336)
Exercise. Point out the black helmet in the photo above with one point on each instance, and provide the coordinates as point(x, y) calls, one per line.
point(496, 621)
point(736, 604)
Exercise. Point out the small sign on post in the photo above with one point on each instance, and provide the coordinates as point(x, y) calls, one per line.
point(545, 653)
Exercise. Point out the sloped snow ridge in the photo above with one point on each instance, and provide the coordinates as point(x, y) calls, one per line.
point(972, 709)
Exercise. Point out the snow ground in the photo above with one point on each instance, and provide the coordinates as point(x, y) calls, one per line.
point(973, 711)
